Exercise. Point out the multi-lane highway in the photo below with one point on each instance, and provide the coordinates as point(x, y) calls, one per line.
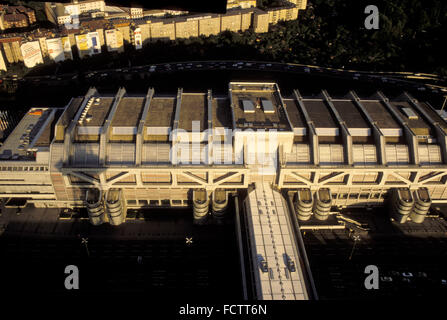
point(416, 81)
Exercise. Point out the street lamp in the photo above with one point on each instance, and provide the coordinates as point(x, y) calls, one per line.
point(443, 105)
point(84, 241)
point(356, 239)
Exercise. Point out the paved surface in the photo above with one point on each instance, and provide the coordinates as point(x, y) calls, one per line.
point(412, 258)
point(148, 256)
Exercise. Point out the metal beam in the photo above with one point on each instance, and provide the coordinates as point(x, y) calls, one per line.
point(379, 138)
point(441, 135)
point(410, 136)
point(210, 126)
point(69, 132)
point(140, 134)
point(105, 132)
point(313, 138)
point(178, 106)
point(347, 138)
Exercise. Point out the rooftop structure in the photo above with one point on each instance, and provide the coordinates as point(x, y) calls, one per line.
point(258, 107)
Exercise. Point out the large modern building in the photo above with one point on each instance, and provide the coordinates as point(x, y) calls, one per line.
point(161, 150)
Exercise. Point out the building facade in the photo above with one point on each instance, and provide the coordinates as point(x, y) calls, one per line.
point(16, 17)
point(157, 150)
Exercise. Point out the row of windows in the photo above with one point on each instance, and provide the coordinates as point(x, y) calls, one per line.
point(166, 202)
point(24, 168)
point(361, 196)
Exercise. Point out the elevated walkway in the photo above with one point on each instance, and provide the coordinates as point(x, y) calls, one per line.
point(276, 266)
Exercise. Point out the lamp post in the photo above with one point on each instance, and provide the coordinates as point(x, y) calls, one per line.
point(443, 105)
point(84, 241)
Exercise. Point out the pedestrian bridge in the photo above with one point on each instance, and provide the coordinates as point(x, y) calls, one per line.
point(276, 265)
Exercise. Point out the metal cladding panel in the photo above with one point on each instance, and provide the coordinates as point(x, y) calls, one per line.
point(391, 132)
point(327, 132)
point(429, 154)
point(89, 130)
point(86, 154)
point(120, 153)
point(42, 157)
point(156, 153)
point(300, 154)
point(300, 131)
point(364, 154)
point(397, 154)
point(360, 132)
point(331, 154)
point(158, 130)
point(57, 155)
point(124, 130)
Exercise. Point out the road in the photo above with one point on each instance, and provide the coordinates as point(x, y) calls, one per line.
point(415, 81)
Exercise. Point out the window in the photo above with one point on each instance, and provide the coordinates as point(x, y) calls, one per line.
point(142, 202)
point(165, 202)
point(177, 202)
point(353, 196)
point(364, 195)
point(153, 202)
point(131, 202)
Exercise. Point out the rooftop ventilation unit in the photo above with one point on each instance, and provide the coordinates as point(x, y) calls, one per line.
point(410, 113)
point(268, 106)
point(248, 106)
